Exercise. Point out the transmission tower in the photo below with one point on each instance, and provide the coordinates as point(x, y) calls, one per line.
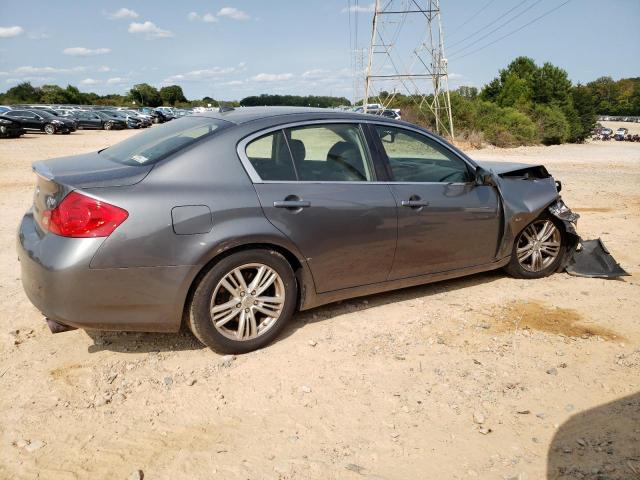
point(398, 63)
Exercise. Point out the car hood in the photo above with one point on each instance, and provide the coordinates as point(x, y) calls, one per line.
point(90, 170)
point(501, 168)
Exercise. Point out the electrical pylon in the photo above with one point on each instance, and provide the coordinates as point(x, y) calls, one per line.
point(396, 65)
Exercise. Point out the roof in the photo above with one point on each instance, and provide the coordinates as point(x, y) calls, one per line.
point(241, 115)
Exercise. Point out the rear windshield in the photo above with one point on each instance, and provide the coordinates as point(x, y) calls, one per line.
point(161, 141)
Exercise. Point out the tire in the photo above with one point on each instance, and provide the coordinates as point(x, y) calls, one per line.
point(210, 292)
point(522, 268)
point(49, 129)
point(108, 126)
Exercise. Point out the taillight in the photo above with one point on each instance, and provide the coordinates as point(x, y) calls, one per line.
point(80, 216)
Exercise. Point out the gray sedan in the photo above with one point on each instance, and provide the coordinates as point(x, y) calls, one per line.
point(235, 220)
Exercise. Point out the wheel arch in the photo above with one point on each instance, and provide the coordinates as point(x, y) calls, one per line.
point(300, 269)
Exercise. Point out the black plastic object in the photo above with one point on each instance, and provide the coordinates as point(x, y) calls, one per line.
point(594, 260)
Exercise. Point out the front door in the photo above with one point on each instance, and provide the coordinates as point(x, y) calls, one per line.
point(445, 220)
point(316, 185)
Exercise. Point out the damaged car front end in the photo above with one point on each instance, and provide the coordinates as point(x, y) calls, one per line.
point(527, 191)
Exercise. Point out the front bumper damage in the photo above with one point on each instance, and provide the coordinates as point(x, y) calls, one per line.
point(584, 258)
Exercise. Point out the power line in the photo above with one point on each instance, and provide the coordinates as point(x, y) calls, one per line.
point(489, 24)
point(472, 17)
point(475, 42)
point(548, 12)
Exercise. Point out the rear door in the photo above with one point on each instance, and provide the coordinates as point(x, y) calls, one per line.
point(445, 220)
point(316, 184)
point(28, 119)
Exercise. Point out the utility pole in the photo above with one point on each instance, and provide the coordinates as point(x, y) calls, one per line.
point(398, 67)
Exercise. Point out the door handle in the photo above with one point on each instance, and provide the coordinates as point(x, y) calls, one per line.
point(292, 204)
point(414, 203)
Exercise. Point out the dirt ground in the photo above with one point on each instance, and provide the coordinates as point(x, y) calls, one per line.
point(483, 377)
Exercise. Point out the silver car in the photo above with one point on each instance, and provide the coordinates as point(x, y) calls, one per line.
point(235, 220)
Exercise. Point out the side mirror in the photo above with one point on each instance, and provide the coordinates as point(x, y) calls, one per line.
point(388, 136)
point(484, 177)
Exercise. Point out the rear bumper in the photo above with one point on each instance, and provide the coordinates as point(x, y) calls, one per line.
point(59, 282)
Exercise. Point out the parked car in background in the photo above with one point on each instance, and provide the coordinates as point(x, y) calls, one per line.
point(10, 127)
point(234, 220)
point(130, 120)
point(110, 122)
point(4, 108)
point(167, 112)
point(39, 121)
point(389, 113)
point(150, 112)
point(621, 133)
point(146, 120)
point(86, 120)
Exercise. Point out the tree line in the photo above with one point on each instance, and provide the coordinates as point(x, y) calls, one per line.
point(528, 104)
point(524, 104)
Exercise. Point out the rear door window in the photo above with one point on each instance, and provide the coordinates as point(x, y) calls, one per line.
point(270, 158)
point(330, 153)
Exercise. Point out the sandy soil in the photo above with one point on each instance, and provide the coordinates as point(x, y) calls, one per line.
point(482, 377)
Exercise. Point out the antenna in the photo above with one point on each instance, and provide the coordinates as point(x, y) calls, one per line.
point(422, 74)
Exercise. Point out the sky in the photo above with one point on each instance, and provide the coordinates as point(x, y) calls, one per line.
point(231, 49)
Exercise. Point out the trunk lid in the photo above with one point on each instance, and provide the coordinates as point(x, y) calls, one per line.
point(57, 177)
point(90, 170)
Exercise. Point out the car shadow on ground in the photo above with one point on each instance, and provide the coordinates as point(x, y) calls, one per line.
point(359, 304)
point(600, 443)
point(134, 342)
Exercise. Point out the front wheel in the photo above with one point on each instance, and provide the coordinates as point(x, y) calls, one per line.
point(243, 302)
point(538, 249)
point(49, 129)
point(108, 126)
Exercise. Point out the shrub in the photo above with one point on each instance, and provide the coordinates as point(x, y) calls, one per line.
point(552, 124)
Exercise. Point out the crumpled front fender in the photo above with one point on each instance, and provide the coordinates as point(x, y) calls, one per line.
point(584, 258)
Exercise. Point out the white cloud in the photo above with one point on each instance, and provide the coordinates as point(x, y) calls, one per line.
point(234, 83)
point(29, 70)
point(122, 13)
point(204, 74)
point(315, 74)
point(8, 32)
point(85, 52)
point(207, 17)
point(104, 68)
point(233, 13)
point(361, 8)
point(272, 77)
point(455, 76)
point(89, 81)
point(149, 29)
point(117, 81)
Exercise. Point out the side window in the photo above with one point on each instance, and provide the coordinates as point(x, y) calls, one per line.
point(330, 152)
point(417, 158)
point(270, 157)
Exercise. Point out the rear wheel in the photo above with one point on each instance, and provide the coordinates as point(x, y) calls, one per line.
point(243, 302)
point(538, 249)
point(49, 129)
point(108, 126)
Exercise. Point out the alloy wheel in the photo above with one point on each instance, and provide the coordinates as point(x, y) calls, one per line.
point(247, 301)
point(538, 245)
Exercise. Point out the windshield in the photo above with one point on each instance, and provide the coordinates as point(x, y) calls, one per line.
point(159, 142)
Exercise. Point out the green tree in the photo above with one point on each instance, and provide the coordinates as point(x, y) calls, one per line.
point(172, 94)
point(145, 94)
point(22, 93)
